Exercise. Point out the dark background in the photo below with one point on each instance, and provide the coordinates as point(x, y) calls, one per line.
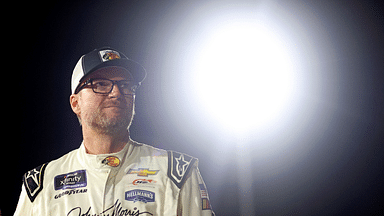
point(332, 162)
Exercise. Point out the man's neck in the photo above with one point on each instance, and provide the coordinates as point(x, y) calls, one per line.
point(99, 143)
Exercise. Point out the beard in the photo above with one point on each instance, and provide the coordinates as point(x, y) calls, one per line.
point(104, 124)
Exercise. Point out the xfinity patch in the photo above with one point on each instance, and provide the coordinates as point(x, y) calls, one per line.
point(71, 180)
point(140, 196)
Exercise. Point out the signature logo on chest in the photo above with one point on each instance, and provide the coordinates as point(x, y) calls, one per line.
point(115, 209)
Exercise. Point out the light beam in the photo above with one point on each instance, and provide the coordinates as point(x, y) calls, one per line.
point(243, 75)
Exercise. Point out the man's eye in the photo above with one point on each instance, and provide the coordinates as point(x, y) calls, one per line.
point(125, 85)
point(101, 83)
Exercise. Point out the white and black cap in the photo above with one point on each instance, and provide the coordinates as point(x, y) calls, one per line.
point(104, 57)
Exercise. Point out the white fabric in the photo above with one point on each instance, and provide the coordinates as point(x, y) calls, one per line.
point(77, 75)
point(121, 190)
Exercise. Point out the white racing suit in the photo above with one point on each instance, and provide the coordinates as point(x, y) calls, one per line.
point(138, 180)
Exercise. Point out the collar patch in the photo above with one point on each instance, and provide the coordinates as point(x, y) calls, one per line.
point(111, 161)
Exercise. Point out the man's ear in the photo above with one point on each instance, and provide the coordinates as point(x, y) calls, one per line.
point(74, 102)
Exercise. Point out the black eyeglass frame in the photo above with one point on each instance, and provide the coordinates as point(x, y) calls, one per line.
point(114, 82)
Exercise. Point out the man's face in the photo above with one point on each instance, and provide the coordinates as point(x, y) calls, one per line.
point(106, 113)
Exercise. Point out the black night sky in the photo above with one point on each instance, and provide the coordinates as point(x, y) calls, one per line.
point(325, 159)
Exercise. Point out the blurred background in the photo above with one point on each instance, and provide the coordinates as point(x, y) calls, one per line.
point(281, 101)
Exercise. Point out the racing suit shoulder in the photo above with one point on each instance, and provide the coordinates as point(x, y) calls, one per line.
point(62, 163)
point(150, 150)
point(193, 196)
point(33, 180)
point(179, 167)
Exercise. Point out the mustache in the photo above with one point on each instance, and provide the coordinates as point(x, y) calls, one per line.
point(115, 103)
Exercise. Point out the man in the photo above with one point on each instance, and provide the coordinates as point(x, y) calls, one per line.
point(110, 174)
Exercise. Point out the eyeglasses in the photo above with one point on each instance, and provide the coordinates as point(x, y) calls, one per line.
point(105, 86)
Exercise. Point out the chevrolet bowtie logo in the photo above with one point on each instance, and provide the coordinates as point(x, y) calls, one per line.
point(143, 172)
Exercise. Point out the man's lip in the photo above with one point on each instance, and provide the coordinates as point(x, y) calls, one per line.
point(116, 107)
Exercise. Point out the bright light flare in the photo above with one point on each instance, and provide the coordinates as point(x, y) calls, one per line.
point(243, 75)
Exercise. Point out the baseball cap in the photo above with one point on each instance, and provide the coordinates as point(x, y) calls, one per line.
point(105, 57)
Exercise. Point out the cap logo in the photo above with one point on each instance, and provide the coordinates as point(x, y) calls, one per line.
point(108, 55)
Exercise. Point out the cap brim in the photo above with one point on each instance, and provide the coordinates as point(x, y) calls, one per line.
point(137, 71)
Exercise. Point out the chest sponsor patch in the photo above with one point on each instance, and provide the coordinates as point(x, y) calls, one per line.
point(143, 182)
point(143, 172)
point(71, 180)
point(111, 161)
point(140, 196)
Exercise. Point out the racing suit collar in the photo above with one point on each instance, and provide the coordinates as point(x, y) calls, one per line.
point(98, 161)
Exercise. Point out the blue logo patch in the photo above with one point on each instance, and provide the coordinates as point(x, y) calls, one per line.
point(140, 195)
point(71, 180)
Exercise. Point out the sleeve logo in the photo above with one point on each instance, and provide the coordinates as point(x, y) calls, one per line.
point(33, 181)
point(179, 166)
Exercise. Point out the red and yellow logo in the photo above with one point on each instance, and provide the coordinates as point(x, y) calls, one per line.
point(110, 56)
point(143, 181)
point(111, 161)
